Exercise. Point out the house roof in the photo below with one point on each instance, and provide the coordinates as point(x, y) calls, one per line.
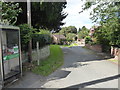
point(59, 36)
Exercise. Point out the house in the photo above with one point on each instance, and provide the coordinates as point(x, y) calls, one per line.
point(92, 30)
point(57, 38)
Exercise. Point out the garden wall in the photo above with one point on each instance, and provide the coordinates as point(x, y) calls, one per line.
point(115, 52)
point(43, 53)
point(97, 48)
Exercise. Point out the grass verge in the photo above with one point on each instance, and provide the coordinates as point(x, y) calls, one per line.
point(113, 60)
point(53, 62)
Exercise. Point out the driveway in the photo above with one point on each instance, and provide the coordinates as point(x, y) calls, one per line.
point(84, 68)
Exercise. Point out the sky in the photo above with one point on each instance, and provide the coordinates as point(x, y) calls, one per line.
point(74, 18)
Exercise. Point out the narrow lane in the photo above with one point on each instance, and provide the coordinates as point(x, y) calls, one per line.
point(86, 69)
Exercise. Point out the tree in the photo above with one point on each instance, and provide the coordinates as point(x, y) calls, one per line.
point(26, 35)
point(108, 16)
point(9, 12)
point(83, 33)
point(79, 29)
point(70, 36)
point(46, 15)
point(72, 29)
point(66, 30)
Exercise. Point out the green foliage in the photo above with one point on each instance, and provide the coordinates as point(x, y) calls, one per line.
point(83, 33)
point(108, 16)
point(9, 12)
point(26, 34)
point(70, 29)
point(43, 39)
point(79, 29)
point(88, 40)
point(53, 62)
point(44, 31)
point(44, 15)
point(62, 41)
point(70, 36)
point(64, 31)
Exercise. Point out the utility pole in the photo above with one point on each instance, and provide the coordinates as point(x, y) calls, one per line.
point(29, 22)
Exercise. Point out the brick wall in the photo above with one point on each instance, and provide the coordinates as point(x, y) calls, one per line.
point(96, 48)
point(115, 52)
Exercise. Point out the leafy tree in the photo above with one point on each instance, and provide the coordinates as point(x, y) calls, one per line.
point(44, 15)
point(26, 35)
point(88, 40)
point(70, 29)
point(108, 16)
point(83, 33)
point(64, 31)
point(9, 12)
point(70, 36)
point(79, 29)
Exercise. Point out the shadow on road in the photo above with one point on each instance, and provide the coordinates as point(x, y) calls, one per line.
point(83, 85)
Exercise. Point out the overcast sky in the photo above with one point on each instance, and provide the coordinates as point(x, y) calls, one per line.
point(74, 18)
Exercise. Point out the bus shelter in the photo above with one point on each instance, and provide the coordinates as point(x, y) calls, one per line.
point(10, 54)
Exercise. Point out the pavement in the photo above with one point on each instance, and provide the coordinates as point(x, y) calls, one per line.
point(87, 69)
point(82, 68)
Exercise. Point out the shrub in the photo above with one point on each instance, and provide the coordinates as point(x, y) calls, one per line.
point(88, 40)
point(26, 34)
point(43, 37)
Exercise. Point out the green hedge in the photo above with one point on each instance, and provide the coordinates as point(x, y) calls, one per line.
point(43, 39)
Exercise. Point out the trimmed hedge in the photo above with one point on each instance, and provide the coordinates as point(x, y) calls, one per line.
point(43, 39)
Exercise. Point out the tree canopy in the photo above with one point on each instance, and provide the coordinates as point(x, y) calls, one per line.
point(9, 12)
point(83, 33)
point(108, 16)
point(46, 15)
point(69, 29)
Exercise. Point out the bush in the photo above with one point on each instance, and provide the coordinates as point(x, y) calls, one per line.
point(62, 41)
point(43, 39)
point(26, 34)
point(88, 40)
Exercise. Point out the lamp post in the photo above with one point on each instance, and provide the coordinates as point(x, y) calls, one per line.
point(29, 22)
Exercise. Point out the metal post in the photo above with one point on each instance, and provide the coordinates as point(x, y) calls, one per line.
point(29, 22)
point(1, 61)
point(20, 54)
point(29, 12)
point(38, 52)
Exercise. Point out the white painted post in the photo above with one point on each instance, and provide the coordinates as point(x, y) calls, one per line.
point(38, 53)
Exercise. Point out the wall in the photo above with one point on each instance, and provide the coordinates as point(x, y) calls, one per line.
point(96, 48)
point(43, 53)
point(115, 52)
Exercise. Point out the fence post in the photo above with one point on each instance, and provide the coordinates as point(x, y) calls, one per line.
point(38, 53)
